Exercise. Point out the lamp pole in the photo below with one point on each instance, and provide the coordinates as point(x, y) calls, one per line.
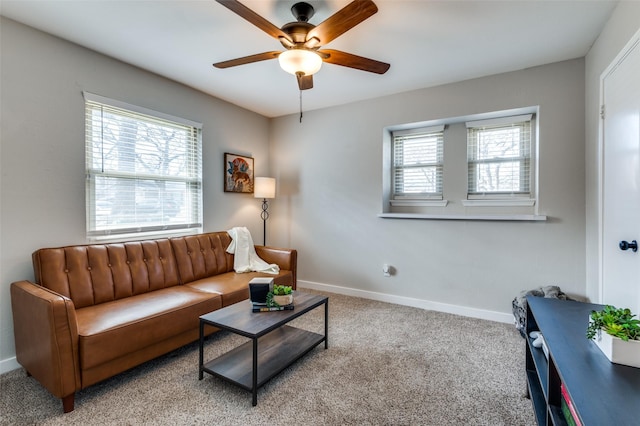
point(264, 215)
point(264, 187)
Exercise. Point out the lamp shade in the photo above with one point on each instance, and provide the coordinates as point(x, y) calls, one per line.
point(264, 187)
point(303, 61)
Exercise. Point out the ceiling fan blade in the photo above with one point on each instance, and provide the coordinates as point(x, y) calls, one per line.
point(342, 21)
point(345, 59)
point(305, 82)
point(244, 12)
point(247, 59)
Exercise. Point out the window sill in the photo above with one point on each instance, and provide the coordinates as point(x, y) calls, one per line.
point(419, 203)
point(494, 217)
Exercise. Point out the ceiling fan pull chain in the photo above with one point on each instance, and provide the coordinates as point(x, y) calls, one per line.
point(301, 106)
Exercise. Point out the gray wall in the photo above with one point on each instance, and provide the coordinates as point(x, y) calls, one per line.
point(329, 168)
point(42, 151)
point(329, 171)
point(623, 24)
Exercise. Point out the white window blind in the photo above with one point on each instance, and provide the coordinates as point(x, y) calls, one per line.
point(418, 163)
point(499, 157)
point(144, 170)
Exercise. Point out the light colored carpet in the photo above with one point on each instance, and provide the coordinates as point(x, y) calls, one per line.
point(386, 365)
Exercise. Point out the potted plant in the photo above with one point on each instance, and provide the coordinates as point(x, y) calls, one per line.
point(281, 295)
point(617, 333)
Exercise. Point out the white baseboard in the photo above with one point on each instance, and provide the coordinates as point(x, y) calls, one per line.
point(8, 364)
point(409, 301)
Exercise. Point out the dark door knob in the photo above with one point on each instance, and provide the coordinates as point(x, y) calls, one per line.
point(633, 245)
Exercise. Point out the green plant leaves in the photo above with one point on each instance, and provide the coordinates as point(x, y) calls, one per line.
point(616, 322)
point(281, 290)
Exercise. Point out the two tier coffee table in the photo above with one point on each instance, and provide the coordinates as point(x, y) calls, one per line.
point(274, 345)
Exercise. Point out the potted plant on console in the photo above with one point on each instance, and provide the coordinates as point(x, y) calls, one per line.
point(617, 333)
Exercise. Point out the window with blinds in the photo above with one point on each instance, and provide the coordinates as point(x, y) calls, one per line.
point(418, 163)
point(499, 157)
point(143, 170)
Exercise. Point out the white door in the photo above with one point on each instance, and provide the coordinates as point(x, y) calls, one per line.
point(620, 284)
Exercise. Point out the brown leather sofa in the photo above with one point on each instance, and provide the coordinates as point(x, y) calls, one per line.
point(98, 310)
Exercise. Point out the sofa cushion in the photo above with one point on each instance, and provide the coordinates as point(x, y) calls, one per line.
point(113, 329)
point(234, 287)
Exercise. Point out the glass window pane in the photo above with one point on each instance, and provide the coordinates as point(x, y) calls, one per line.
point(418, 159)
point(499, 158)
point(498, 177)
point(417, 180)
point(423, 151)
point(143, 173)
point(498, 143)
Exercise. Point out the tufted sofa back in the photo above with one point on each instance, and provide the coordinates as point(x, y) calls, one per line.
point(98, 273)
point(203, 255)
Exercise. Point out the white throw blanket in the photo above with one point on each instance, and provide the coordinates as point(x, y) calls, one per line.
point(245, 258)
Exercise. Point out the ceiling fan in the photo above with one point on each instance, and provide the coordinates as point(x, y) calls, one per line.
point(303, 56)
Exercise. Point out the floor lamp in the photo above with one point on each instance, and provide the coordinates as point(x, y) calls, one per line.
point(264, 187)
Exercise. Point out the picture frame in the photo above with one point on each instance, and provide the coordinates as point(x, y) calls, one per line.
point(238, 173)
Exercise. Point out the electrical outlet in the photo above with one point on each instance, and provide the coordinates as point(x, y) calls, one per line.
point(386, 270)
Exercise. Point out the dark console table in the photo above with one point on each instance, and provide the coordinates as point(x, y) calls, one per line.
point(602, 393)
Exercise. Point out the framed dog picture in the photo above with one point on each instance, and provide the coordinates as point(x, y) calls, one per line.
point(238, 173)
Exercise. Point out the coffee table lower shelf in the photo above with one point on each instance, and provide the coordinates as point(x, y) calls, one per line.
point(275, 351)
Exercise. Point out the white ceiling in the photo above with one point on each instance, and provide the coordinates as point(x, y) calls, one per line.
point(426, 42)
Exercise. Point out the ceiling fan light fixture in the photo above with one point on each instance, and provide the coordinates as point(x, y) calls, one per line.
point(296, 61)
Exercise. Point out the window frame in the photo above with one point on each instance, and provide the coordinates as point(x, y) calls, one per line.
point(191, 179)
point(527, 159)
point(408, 198)
point(455, 178)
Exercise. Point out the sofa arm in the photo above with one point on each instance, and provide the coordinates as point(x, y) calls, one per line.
point(46, 337)
point(284, 258)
